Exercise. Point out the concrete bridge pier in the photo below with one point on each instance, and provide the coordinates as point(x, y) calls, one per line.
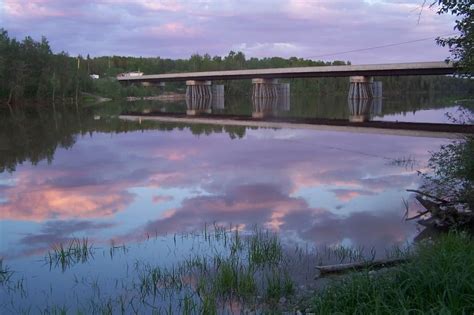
point(264, 97)
point(377, 89)
point(218, 99)
point(284, 97)
point(269, 97)
point(198, 97)
point(265, 88)
point(361, 87)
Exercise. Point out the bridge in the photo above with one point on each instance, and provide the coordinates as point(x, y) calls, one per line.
point(418, 68)
point(365, 94)
point(266, 85)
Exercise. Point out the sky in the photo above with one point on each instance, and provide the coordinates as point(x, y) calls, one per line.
point(260, 28)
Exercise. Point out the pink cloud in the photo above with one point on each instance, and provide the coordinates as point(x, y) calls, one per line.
point(53, 201)
point(34, 8)
point(153, 5)
point(347, 195)
point(160, 199)
point(175, 154)
point(172, 29)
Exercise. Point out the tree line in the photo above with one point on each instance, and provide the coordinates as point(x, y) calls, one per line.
point(30, 70)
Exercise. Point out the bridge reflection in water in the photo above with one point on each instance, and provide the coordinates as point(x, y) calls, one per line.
point(271, 98)
point(202, 97)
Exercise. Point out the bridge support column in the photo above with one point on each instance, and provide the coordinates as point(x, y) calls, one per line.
point(264, 97)
point(218, 102)
point(198, 97)
point(360, 87)
point(265, 88)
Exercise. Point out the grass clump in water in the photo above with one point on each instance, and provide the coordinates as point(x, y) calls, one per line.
point(5, 272)
point(232, 278)
point(264, 248)
point(67, 255)
point(279, 286)
point(438, 280)
point(227, 277)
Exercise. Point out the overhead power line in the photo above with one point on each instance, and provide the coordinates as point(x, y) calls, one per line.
point(378, 47)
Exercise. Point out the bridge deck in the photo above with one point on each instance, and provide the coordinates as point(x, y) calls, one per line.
point(419, 68)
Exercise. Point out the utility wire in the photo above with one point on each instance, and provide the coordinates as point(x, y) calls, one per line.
point(378, 47)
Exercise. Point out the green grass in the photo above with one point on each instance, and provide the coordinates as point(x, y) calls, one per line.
point(234, 278)
point(264, 248)
point(438, 280)
point(279, 286)
point(67, 255)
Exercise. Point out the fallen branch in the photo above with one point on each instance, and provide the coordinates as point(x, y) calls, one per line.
point(418, 215)
point(427, 195)
point(340, 268)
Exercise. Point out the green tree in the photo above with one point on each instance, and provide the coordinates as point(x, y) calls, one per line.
point(461, 46)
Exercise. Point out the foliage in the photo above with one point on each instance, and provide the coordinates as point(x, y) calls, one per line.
point(461, 46)
point(438, 280)
point(452, 174)
point(29, 70)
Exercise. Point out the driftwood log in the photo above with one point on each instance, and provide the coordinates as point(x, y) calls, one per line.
point(441, 214)
point(375, 264)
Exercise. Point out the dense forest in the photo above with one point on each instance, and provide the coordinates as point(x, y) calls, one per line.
point(30, 71)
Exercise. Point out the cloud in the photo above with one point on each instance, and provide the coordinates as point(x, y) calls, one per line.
point(178, 29)
point(346, 195)
point(172, 29)
point(159, 199)
point(49, 202)
point(33, 9)
point(154, 5)
point(243, 205)
point(55, 232)
point(246, 205)
point(269, 49)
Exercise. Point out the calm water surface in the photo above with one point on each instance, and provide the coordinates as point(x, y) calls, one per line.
point(146, 187)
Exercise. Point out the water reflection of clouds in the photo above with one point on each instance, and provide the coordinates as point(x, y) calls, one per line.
point(347, 195)
point(261, 179)
point(53, 232)
point(36, 200)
